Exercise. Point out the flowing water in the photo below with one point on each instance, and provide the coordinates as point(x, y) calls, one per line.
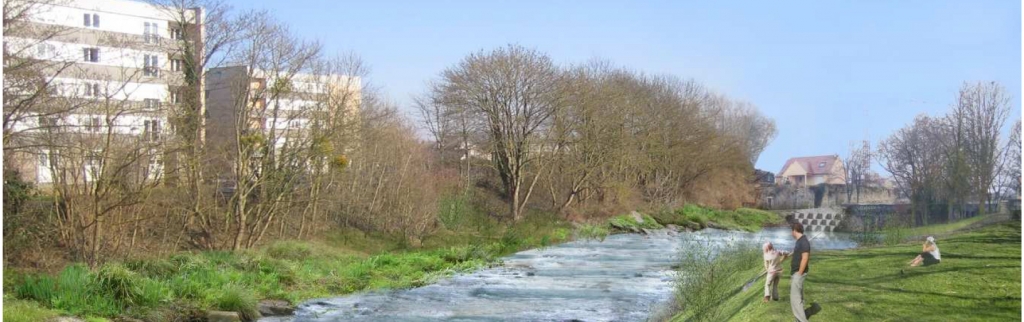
point(624, 278)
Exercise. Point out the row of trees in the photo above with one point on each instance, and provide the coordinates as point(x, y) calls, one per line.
point(290, 141)
point(959, 158)
point(123, 176)
point(591, 133)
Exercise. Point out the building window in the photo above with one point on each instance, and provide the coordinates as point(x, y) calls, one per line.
point(93, 124)
point(152, 66)
point(47, 121)
point(177, 34)
point(151, 103)
point(91, 20)
point(175, 97)
point(177, 65)
point(821, 164)
point(91, 54)
point(151, 130)
point(150, 34)
point(92, 90)
point(44, 49)
point(93, 164)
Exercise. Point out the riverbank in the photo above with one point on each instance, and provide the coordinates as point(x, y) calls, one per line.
point(978, 280)
point(186, 285)
point(347, 261)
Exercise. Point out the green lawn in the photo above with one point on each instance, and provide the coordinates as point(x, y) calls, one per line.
point(945, 228)
point(979, 279)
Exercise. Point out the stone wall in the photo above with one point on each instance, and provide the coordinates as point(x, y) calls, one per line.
point(784, 197)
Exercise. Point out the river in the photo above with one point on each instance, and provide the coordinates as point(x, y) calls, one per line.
point(626, 277)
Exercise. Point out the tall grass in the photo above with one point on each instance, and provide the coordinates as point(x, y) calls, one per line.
point(235, 298)
point(710, 273)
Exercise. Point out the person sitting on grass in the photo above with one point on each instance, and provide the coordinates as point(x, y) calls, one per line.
point(929, 254)
point(773, 266)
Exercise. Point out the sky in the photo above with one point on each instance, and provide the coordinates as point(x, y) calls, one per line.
point(828, 72)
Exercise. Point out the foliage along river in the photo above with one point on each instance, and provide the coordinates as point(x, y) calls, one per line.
point(624, 278)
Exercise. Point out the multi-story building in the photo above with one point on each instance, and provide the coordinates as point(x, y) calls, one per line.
point(283, 109)
point(117, 71)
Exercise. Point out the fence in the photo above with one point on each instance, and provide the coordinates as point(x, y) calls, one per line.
point(868, 217)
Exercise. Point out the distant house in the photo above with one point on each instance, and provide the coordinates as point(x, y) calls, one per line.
point(809, 171)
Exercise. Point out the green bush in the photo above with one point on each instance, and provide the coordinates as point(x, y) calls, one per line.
point(120, 282)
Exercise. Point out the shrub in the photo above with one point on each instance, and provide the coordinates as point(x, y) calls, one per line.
point(120, 282)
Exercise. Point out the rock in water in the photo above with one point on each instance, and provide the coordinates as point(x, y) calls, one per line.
point(275, 308)
point(222, 316)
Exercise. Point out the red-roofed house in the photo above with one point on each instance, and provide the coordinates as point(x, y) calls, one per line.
point(809, 171)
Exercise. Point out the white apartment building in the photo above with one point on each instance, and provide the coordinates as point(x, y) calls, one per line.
point(118, 67)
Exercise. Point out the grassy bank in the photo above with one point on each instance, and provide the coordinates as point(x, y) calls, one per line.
point(697, 217)
point(187, 284)
point(978, 280)
point(348, 260)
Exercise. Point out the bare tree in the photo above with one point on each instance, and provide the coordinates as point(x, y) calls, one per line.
point(438, 119)
point(856, 166)
point(266, 152)
point(1013, 159)
point(203, 35)
point(911, 156)
point(982, 110)
point(513, 91)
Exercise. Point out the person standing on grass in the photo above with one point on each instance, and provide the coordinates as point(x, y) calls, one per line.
point(800, 266)
point(773, 259)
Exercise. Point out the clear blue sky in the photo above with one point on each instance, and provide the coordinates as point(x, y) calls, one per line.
point(829, 72)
